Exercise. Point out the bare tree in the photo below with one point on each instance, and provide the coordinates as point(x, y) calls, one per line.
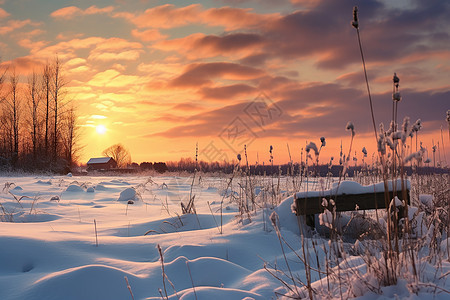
point(5, 131)
point(12, 110)
point(57, 86)
point(46, 131)
point(46, 86)
point(70, 136)
point(33, 104)
point(119, 153)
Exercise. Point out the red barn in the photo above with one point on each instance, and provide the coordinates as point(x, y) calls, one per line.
point(101, 163)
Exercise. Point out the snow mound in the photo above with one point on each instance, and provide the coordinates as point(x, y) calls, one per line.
point(288, 220)
point(426, 200)
point(115, 182)
point(23, 217)
point(92, 282)
point(128, 194)
point(100, 187)
point(215, 293)
point(73, 188)
point(48, 182)
point(183, 223)
point(90, 189)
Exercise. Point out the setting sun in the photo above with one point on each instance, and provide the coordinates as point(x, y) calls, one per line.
point(101, 129)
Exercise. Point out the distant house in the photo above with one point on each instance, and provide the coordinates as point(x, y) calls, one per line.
point(101, 163)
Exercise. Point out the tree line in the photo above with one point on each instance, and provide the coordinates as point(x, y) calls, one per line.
point(38, 122)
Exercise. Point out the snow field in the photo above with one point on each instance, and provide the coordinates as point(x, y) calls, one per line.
point(48, 244)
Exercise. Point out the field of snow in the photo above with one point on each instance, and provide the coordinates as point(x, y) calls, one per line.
point(66, 237)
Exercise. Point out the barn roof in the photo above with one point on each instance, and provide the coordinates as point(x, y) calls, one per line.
point(99, 160)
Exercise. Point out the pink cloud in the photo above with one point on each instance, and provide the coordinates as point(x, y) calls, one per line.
point(23, 65)
point(227, 92)
point(235, 18)
point(70, 12)
point(201, 46)
point(187, 107)
point(306, 3)
point(200, 74)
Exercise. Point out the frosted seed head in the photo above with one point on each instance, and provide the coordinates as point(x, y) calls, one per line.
point(405, 124)
point(351, 127)
point(312, 146)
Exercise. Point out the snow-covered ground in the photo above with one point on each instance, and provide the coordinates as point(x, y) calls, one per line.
point(66, 237)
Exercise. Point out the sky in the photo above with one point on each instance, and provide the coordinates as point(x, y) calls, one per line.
point(161, 76)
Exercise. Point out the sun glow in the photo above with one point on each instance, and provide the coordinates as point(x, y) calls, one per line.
point(101, 129)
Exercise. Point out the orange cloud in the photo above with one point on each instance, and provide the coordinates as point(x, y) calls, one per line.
point(69, 36)
point(116, 44)
point(23, 65)
point(112, 56)
point(161, 71)
point(16, 24)
point(76, 62)
point(66, 12)
point(112, 78)
point(27, 43)
point(3, 13)
point(92, 10)
point(102, 49)
point(70, 12)
point(170, 16)
point(32, 33)
point(165, 16)
point(148, 35)
point(115, 49)
point(67, 49)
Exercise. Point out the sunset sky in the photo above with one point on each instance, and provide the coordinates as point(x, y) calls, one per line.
point(160, 76)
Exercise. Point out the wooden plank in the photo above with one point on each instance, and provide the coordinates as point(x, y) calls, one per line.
point(346, 202)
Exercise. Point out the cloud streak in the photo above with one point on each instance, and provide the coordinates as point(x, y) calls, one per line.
point(170, 16)
point(70, 12)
